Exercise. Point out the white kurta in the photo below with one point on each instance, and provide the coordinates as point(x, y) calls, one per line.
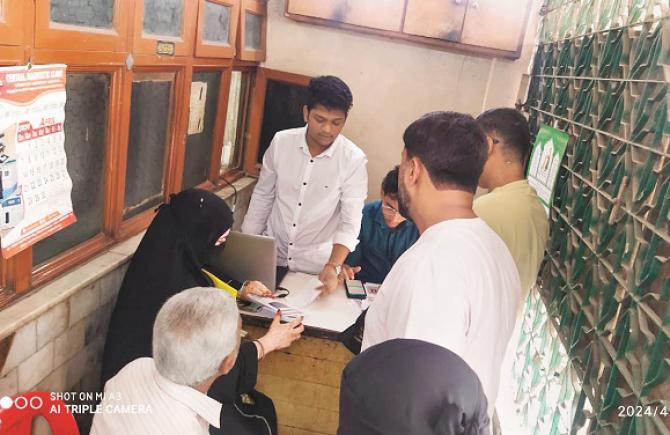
point(308, 203)
point(457, 287)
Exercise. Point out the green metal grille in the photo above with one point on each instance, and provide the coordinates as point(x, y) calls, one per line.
point(595, 344)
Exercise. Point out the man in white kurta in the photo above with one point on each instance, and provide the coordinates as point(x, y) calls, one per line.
point(458, 285)
point(312, 187)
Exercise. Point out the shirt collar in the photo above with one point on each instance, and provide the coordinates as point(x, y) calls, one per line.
point(201, 404)
point(519, 184)
point(302, 144)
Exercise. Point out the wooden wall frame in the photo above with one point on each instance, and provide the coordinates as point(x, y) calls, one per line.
point(432, 42)
point(257, 108)
point(114, 52)
point(144, 43)
point(212, 49)
point(216, 176)
point(12, 22)
point(12, 56)
point(259, 8)
point(61, 36)
point(84, 251)
point(175, 139)
point(219, 126)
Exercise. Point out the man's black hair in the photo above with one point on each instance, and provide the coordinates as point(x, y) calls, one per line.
point(451, 146)
point(330, 92)
point(390, 182)
point(511, 128)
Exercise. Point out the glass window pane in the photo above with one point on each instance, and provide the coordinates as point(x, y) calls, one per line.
point(147, 142)
point(282, 110)
point(163, 17)
point(86, 113)
point(233, 137)
point(217, 23)
point(198, 154)
point(253, 29)
point(98, 14)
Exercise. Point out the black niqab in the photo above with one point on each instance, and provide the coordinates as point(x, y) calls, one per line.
point(168, 260)
point(403, 387)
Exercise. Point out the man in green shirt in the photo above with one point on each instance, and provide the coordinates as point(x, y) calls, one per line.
point(512, 208)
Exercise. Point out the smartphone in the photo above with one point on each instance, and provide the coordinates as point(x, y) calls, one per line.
point(355, 289)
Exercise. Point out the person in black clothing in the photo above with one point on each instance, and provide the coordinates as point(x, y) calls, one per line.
point(405, 386)
point(170, 258)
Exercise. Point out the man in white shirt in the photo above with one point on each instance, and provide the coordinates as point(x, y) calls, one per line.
point(196, 338)
point(457, 286)
point(312, 187)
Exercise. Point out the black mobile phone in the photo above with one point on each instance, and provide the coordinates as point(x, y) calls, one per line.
point(355, 289)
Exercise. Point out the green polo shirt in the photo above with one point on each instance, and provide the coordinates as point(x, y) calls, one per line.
point(514, 212)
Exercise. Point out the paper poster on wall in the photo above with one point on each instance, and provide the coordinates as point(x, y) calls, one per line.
point(545, 161)
point(196, 118)
point(35, 186)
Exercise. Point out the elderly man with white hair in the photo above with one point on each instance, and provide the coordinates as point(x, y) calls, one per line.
point(196, 338)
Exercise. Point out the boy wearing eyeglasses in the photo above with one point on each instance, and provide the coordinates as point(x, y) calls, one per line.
point(385, 235)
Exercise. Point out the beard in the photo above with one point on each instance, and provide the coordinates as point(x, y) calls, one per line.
point(404, 200)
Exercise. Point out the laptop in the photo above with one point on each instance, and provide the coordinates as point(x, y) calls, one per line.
point(248, 257)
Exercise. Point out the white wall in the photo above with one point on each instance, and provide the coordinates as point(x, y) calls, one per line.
point(393, 82)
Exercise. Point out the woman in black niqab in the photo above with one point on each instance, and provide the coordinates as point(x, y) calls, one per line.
point(168, 260)
point(402, 387)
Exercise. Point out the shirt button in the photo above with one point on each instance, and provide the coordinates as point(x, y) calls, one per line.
point(289, 258)
point(299, 204)
point(293, 224)
point(311, 160)
point(290, 244)
point(304, 184)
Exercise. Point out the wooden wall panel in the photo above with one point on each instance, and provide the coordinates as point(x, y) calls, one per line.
point(508, 18)
point(435, 18)
point(367, 13)
point(304, 383)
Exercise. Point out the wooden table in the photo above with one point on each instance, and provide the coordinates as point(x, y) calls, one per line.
point(304, 380)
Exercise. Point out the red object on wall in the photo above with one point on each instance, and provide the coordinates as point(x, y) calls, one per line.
point(17, 414)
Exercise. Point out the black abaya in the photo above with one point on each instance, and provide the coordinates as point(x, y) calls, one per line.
point(167, 261)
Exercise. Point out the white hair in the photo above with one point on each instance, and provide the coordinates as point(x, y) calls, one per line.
point(194, 332)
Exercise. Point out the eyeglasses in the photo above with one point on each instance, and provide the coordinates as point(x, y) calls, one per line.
point(389, 209)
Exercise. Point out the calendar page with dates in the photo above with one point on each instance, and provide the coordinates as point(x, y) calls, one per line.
point(35, 187)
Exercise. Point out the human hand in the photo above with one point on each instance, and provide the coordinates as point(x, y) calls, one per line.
point(348, 272)
point(328, 278)
point(255, 288)
point(281, 335)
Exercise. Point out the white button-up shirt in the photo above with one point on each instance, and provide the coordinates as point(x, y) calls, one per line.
point(138, 400)
point(308, 203)
point(457, 287)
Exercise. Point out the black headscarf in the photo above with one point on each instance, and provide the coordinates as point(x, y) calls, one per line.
point(403, 387)
point(168, 260)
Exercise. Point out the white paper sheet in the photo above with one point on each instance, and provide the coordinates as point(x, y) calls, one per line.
point(331, 312)
point(302, 287)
